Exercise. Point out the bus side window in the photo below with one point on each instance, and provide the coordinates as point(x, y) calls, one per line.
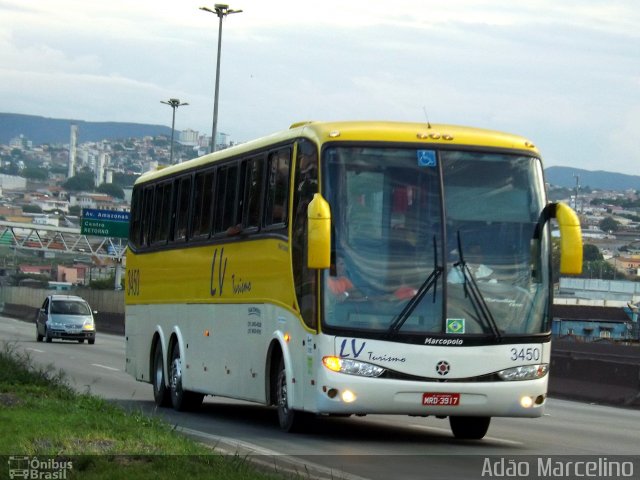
point(136, 211)
point(253, 170)
point(161, 214)
point(305, 186)
point(277, 187)
point(147, 211)
point(202, 204)
point(225, 204)
point(181, 209)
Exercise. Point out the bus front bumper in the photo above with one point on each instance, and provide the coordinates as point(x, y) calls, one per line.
point(347, 394)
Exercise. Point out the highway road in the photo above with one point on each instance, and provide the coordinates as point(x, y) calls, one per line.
point(371, 447)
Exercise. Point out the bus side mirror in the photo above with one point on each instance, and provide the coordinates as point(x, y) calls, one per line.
point(319, 233)
point(570, 240)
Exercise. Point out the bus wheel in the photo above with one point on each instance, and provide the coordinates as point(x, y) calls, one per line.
point(182, 400)
point(469, 428)
point(290, 420)
point(161, 394)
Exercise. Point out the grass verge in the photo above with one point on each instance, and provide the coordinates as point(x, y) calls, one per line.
point(41, 417)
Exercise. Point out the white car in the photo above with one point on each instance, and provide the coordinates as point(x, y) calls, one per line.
point(65, 317)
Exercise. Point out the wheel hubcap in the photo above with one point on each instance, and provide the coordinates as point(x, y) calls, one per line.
point(282, 393)
point(176, 374)
point(158, 382)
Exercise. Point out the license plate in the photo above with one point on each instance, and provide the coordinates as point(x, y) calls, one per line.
point(441, 399)
point(74, 331)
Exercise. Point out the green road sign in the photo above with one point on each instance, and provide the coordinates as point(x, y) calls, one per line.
point(104, 223)
point(104, 228)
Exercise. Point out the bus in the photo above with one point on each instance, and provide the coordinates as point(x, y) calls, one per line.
point(350, 268)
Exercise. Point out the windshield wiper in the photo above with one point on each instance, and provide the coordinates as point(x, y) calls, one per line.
point(411, 305)
point(472, 291)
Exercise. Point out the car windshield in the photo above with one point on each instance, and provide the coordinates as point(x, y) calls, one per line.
point(69, 307)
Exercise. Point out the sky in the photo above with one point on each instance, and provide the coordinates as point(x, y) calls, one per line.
point(563, 73)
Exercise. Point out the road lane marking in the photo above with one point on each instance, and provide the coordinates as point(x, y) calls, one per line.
point(34, 350)
point(105, 367)
point(492, 439)
point(266, 458)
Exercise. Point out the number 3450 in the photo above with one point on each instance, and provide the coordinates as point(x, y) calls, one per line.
point(528, 354)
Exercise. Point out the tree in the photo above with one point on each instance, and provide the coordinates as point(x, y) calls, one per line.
point(601, 269)
point(80, 182)
point(75, 210)
point(111, 189)
point(31, 209)
point(591, 253)
point(609, 224)
point(35, 173)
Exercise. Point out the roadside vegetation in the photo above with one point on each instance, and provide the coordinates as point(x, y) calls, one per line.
point(40, 416)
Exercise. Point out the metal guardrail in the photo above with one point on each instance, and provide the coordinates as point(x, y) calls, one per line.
point(48, 238)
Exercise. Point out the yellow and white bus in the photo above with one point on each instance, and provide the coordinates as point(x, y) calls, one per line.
point(350, 268)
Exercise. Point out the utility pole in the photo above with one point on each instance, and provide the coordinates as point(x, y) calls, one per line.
point(221, 10)
point(173, 103)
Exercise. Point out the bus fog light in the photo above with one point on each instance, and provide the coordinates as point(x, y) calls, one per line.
point(524, 372)
point(348, 396)
point(526, 402)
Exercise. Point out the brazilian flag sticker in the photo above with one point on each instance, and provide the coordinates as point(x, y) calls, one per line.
point(455, 325)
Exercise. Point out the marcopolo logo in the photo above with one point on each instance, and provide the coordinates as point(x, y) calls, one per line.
point(35, 468)
point(443, 368)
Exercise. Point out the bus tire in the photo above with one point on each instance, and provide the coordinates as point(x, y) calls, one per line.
point(469, 428)
point(182, 400)
point(290, 420)
point(161, 393)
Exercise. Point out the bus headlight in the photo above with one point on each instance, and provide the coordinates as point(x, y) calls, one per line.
point(525, 372)
point(352, 367)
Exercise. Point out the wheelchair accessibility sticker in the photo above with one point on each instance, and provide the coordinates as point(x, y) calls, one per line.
point(426, 158)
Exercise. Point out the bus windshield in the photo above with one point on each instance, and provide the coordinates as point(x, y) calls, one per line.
point(434, 242)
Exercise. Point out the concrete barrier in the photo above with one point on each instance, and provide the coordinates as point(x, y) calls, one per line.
point(596, 372)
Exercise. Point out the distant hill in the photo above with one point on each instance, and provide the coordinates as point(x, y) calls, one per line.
point(57, 131)
point(599, 180)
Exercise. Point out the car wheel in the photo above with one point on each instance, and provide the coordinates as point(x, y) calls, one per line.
point(182, 400)
point(91, 341)
point(47, 336)
point(469, 428)
point(161, 393)
point(38, 336)
point(290, 420)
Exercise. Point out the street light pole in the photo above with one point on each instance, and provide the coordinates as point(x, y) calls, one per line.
point(173, 103)
point(221, 10)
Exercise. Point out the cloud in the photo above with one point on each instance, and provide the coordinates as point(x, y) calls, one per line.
point(554, 71)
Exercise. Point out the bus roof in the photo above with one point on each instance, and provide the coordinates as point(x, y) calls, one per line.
point(353, 131)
